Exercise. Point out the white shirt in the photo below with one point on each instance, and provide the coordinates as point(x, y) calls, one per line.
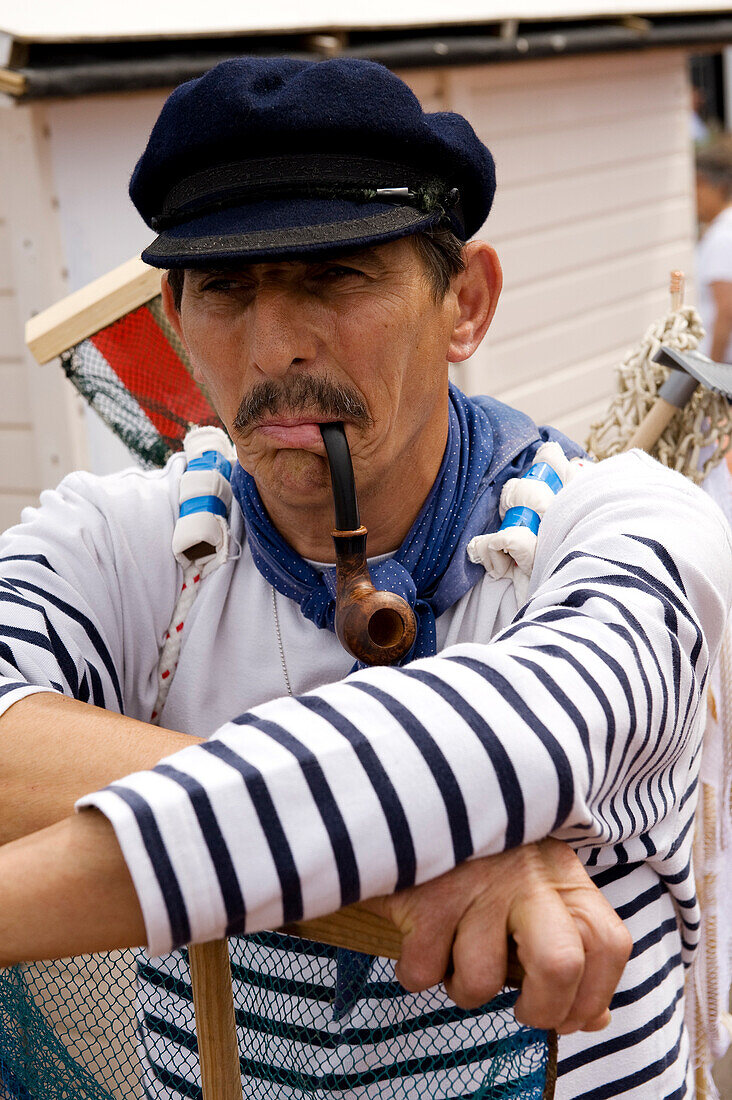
point(714, 265)
point(582, 720)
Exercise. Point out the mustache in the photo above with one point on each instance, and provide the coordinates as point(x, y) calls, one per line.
point(298, 395)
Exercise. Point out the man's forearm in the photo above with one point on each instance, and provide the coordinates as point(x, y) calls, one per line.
point(722, 295)
point(53, 750)
point(66, 891)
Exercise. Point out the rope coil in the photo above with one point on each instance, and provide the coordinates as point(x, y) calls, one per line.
point(703, 423)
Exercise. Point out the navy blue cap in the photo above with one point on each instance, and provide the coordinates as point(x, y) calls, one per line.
point(270, 158)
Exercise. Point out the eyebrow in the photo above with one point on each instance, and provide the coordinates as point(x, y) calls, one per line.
point(368, 255)
point(361, 255)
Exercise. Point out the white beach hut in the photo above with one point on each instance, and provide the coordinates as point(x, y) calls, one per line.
point(585, 104)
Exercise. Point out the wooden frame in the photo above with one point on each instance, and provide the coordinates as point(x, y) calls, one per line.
point(92, 308)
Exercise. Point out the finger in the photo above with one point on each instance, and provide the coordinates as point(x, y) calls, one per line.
point(479, 958)
point(607, 945)
point(551, 951)
point(425, 956)
point(599, 1023)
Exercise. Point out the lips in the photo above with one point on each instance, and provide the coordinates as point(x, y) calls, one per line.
point(295, 432)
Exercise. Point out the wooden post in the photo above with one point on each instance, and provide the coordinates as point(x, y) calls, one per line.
point(213, 1003)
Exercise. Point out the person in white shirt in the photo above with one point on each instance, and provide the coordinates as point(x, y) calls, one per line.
point(322, 274)
point(714, 251)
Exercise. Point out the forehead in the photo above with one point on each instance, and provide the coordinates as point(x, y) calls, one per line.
point(378, 258)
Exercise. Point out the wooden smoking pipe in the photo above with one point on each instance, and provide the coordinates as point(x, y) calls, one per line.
point(377, 628)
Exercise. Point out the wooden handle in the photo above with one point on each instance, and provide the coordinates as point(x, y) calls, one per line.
point(359, 929)
point(676, 289)
point(653, 425)
point(213, 1003)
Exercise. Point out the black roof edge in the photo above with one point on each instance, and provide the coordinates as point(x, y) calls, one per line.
point(73, 69)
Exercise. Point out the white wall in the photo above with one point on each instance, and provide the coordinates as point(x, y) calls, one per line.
point(594, 209)
point(95, 143)
point(41, 419)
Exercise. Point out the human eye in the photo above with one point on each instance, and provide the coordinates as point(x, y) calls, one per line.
point(336, 273)
point(223, 283)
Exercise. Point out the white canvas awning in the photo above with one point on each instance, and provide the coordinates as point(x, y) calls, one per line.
point(88, 20)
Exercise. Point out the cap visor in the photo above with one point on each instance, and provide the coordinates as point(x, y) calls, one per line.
point(283, 229)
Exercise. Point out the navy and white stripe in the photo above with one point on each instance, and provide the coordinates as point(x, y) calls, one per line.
point(520, 726)
point(582, 719)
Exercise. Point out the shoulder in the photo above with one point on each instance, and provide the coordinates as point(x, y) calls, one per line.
point(715, 248)
point(130, 497)
point(630, 484)
point(630, 502)
point(123, 516)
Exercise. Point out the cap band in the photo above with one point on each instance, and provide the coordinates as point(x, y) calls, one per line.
point(312, 176)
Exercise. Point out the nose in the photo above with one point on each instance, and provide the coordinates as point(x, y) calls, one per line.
point(281, 331)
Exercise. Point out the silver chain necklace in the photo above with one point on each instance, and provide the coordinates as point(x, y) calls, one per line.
point(278, 632)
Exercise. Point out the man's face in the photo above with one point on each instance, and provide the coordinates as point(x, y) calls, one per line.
point(282, 347)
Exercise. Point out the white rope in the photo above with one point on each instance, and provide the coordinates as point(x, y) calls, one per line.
point(704, 422)
point(170, 652)
point(510, 551)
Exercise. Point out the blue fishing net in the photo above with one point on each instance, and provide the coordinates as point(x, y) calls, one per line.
point(119, 1026)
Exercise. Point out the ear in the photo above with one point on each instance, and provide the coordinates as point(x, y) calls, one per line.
point(477, 289)
point(169, 309)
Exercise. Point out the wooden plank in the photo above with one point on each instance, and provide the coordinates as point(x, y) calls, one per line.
point(615, 66)
point(39, 277)
point(6, 277)
point(577, 424)
point(581, 97)
point(216, 1038)
point(596, 240)
point(12, 83)
point(428, 85)
point(549, 399)
point(597, 191)
point(18, 463)
point(503, 364)
point(356, 928)
point(93, 307)
point(537, 304)
point(592, 145)
point(14, 402)
point(87, 20)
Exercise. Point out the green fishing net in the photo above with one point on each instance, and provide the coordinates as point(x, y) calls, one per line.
point(120, 1026)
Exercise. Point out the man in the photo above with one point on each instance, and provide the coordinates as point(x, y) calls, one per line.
point(315, 218)
point(714, 251)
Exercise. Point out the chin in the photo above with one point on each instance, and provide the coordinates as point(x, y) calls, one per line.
point(302, 477)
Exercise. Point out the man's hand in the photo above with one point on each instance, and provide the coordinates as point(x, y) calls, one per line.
point(571, 943)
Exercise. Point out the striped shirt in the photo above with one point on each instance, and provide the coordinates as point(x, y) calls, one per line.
point(581, 718)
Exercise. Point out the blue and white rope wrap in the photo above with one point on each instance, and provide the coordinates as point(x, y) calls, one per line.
point(205, 499)
point(510, 551)
point(522, 515)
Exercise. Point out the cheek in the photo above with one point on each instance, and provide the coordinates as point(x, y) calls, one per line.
point(216, 366)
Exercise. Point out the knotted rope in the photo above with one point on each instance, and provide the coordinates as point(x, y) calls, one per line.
point(703, 423)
